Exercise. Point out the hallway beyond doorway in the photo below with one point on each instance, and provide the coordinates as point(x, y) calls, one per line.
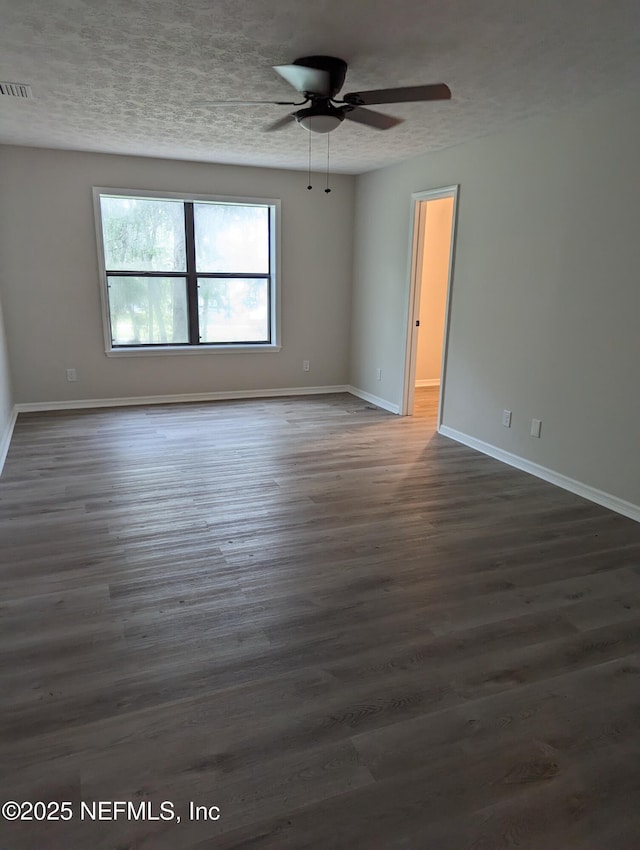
point(425, 405)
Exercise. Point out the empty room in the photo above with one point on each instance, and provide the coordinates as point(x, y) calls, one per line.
point(319, 477)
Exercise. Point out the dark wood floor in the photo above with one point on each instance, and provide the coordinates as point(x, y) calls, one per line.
point(339, 627)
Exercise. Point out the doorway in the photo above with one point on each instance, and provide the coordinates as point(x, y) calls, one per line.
point(433, 220)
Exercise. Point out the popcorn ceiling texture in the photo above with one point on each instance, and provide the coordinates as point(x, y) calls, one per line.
point(134, 76)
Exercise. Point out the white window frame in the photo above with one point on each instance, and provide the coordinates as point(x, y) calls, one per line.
point(275, 345)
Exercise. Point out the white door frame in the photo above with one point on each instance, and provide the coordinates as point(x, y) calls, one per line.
point(412, 310)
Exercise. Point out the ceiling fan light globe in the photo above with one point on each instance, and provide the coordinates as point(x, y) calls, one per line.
point(320, 123)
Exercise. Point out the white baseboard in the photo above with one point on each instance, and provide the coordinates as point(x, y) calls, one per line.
point(374, 399)
point(428, 382)
point(129, 401)
point(592, 494)
point(5, 438)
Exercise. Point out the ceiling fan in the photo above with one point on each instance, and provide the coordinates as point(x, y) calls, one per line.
point(320, 78)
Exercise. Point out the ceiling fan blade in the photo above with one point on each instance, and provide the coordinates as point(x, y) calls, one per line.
point(408, 94)
point(372, 119)
point(305, 79)
point(249, 102)
point(280, 123)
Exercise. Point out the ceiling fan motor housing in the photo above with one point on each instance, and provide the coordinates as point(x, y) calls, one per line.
point(336, 68)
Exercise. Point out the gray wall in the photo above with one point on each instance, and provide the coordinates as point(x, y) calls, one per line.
point(546, 289)
point(50, 283)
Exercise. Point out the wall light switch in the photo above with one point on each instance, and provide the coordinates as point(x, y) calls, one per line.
point(506, 418)
point(536, 427)
point(71, 375)
point(378, 374)
point(305, 365)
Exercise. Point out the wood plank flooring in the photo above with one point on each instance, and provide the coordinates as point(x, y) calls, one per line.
point(340, 628)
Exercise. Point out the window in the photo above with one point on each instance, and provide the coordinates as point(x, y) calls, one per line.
point(187, 273)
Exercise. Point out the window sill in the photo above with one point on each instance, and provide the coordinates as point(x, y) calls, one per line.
point(171, 350)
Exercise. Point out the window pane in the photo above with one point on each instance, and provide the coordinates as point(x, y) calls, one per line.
point(233, 309)
point(231, 238)
point(148, 310)
point(143, 235)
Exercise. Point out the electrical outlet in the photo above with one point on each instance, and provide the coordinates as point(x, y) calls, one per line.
point(378, 374)
point(506, 418)
point(536, 427)
point(305, 365)
point(71, 375)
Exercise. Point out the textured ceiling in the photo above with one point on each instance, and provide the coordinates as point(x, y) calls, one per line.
point(133, 76)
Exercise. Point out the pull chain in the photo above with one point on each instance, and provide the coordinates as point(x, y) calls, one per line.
point(327, 190)
point(309, 186)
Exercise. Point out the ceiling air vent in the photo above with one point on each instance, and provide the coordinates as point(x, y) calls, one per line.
point(16, 90)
